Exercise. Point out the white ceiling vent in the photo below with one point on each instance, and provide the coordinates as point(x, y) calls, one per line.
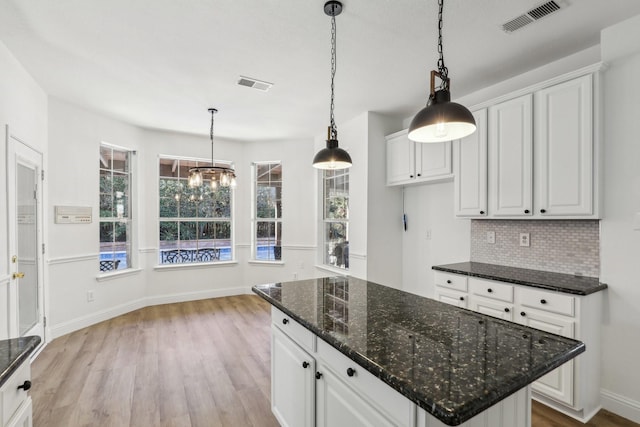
point(254, 83)
point(532, 15)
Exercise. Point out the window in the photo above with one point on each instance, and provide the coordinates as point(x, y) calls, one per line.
point(336, 218)
point(267, 208)
point(115, 208)
point(195, 223)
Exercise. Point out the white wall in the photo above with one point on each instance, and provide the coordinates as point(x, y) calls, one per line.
point(23, 107)
point(620, 243)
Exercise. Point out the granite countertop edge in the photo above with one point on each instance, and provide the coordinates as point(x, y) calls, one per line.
point(456, 269)
point(450, 418)
point(32, 344)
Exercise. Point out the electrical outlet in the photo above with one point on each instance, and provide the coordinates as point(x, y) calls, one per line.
point(429, 234)
point(525, 239)
point(295, 276)
point(491, 237)
point(89, 296)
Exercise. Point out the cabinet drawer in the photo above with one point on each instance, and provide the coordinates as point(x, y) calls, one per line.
point(491, 289)
point(553, 302)
point(450, 296)
point(301, 335)
point(12, 396)
point(387, 400)
point(452, 281)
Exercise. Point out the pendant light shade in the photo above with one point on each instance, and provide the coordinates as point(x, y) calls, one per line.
point(332, 156)
point(441, 120)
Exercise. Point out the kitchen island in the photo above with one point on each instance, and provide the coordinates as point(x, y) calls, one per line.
point(387, 357)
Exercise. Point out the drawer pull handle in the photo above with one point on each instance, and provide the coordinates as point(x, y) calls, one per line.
point(461, 298)
point(25, 385)
point(506, 309)
point(318, 375)
point(351, 372)
point(448, 281)
point(490, 290)
point(522, 313)
point(526, 211)
point(285, 321)
point(543, 301)
point(305, 364)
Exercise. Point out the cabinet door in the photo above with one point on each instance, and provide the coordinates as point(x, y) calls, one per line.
point(24, 416)
point(498, 309)
point(510, 157)
point(400, 158)
point(433, 160)
point(557, 384)
point(470, 170)
point(292, 382)
point(564, 148)
point(339, 405)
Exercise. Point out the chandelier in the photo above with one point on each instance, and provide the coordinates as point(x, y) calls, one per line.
point(217, 174)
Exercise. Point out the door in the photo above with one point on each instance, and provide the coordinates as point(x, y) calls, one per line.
point(510, 157)
point(26, 302)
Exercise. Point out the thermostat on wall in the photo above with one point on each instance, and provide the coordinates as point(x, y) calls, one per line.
point(73, 214)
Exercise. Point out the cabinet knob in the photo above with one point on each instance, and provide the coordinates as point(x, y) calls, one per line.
point(481, 212)
point(410, 176)
point(285, 321)
point(419, 174)
point(318, 375)
point(490, 290)
point(305, 364)
point(543, 301)
point(506, 309)
point(522, 313)
point(526, 211)
point(25, 385)
point(543, 211)
point(351, 372)
point(461, 298)
point(448, 281)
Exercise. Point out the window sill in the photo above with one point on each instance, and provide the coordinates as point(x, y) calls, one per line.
point(195, 265)
point(117, 274)
point(336, 270)
point(259, 262)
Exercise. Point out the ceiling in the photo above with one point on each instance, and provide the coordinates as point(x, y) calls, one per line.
point(160, 64)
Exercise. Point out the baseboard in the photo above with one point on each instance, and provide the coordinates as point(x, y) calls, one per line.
point(109, 313)
point(621, 405)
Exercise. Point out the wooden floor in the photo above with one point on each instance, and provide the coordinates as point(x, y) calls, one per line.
point(200, 363)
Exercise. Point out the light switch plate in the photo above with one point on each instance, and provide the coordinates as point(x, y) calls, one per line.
point(525, 239)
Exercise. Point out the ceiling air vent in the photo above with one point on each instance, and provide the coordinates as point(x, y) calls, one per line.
point(534, 14)
point(254, 83)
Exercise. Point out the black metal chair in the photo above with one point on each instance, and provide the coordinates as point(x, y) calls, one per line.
point(109, 264)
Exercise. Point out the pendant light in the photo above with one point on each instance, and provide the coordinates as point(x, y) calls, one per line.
point(332, 157)
point(218, 175)
point(441, 120)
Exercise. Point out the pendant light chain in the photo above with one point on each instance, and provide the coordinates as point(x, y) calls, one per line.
point(334, 130)
point(213, 112)
point(442, 69)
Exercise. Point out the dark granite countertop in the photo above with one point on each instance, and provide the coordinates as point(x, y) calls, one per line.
point(568, 283)
point(452, 362)
point(13, 352)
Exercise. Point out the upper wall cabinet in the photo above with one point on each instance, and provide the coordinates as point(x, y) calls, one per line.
point(510, 157)
point(563, 141)
point(470, 170)
point(543, 154)
point(410, 162)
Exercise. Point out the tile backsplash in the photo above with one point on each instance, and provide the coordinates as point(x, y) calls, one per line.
point(563, 246)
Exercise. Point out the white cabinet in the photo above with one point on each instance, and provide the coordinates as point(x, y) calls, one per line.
point(409, 162)
point(470, 170)
point(293, 382)
point(510, 157)
point(15, 402)
point(564, 148)
point(572, 388)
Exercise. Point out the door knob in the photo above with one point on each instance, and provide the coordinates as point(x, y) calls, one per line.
point(19, 275)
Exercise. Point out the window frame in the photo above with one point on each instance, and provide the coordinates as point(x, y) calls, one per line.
point(209, 260)
point(130, 223)
point(277, 220)
point(325, 221)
